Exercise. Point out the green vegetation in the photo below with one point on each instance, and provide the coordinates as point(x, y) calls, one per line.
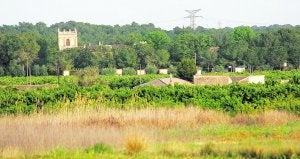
point(92, 116)
point(129, 71)
point(105, 90)
point(187, 69)
point(26, 48)
point(178, 150)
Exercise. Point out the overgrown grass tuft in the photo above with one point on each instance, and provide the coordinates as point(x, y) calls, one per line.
point(135, 144)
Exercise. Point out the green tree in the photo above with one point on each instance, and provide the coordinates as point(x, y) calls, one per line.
point(277, 56)
point(43, 70)
point(145, 54)
point(183, 47)
point(39, 70)
point(15, 70)
point(10, 47)
point(186, 69)
point(210, 59)
point(125, 57)
point(85, 58)
point(294, 56)
point(158, 39)
point(133, 39)
point(251, 58)
point(268, 40)
point(243, 33)
point(107, 60)
point(43, 54)
point(151, 69)
point(204, 42)
point(36, 70)
point(162, 58)
point(30, 49)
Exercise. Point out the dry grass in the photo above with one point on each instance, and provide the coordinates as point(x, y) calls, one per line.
point(36, 133)
point(266, 118)
point(135, 144)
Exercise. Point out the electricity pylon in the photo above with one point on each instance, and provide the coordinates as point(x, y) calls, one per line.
point(192, 17)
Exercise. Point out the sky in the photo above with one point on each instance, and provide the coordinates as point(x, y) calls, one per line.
point(165, 14)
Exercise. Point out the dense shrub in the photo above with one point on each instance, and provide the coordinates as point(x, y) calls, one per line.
point(172, 70)
point(15, 70)
point(218, 68)
point(87, 76)
point(151, 69)
point(129, 71)
point(39, 70)
point(43, 70)
point(186, 69)
point(108, 71)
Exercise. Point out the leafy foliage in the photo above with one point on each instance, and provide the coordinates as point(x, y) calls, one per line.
point(151, 69)
point(108, 71)
point(136, 45)
point(243, 98)
point(87, 76)
point(39, 70)
point(15, 70)
point(187, 69)
point(129, 71)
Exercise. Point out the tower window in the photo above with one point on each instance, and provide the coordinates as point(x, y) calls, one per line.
point(68, 42)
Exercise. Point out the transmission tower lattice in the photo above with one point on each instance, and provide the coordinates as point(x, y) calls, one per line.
point(192, 17)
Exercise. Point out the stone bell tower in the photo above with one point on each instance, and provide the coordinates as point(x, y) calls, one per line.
point(67, 39)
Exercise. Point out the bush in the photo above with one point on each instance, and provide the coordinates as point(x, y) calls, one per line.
point(187, 69)
point(43, 71)
point(87, 76)
point(129, 71)
point(108, 71)
point(151, 69)
point(172, 70)
point(218, 68)
point(36, 70)
point(16, 70)
point(39, 70)
point(267, 67)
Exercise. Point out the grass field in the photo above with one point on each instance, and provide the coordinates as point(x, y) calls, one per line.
point(150, 133)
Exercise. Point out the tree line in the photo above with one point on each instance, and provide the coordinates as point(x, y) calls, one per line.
point(32, 48)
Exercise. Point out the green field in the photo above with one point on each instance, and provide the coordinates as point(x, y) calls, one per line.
point(118, 92)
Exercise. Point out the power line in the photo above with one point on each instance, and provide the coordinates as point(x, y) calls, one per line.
point(234, 21)
point(170, 21)
point(192, 17)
